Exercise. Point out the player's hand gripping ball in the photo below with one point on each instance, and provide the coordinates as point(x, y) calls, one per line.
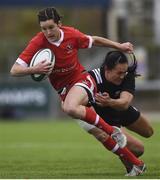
point(41, 55)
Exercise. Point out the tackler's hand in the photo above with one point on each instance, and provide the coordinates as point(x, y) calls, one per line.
point(102, 99)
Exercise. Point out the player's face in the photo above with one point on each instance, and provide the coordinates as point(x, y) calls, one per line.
point(50, 30)
point(117, 74)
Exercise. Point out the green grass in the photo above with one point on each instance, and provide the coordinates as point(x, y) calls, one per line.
point(50, 150)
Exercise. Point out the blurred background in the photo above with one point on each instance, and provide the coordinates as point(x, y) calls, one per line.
point(119, 20)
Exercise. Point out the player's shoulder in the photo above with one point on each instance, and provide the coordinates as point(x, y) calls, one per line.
point(70, 30)
point(38, 38)
point(96, 74)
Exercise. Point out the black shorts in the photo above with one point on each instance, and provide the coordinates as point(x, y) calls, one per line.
point(118, 118)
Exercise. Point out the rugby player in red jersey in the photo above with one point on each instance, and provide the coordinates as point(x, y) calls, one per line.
point(69, 77)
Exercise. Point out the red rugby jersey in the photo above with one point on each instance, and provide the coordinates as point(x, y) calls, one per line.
point(67, 68)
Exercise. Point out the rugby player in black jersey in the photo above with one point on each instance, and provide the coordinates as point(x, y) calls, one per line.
point(115, 81)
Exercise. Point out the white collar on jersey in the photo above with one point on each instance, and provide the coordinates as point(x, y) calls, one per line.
point(57, 43)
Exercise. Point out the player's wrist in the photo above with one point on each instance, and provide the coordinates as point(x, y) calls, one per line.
point(32, 70)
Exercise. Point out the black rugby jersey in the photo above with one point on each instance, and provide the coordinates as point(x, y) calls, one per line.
point(111, 115)
point(128, 84)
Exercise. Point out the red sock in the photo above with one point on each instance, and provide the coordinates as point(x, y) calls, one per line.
point(93, 118)
point(124, 153)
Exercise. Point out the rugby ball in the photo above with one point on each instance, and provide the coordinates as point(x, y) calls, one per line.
point(41, 55)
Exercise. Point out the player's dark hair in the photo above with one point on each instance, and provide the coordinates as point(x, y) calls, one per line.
point(49, 13)
point(113, 58)
point(117, 57)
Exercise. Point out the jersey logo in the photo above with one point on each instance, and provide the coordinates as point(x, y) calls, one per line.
point(69, 48)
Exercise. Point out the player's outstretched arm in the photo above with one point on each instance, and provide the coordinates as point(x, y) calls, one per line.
point(122, 103)
point(100, 41)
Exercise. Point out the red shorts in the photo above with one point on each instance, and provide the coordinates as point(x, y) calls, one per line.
point(86, 81)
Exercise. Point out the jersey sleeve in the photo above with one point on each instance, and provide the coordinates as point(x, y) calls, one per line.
point(129, 83)
point(27, 54)
point(96, 74)
point(83, 40)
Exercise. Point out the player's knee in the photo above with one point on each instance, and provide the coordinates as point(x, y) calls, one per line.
point(70, 110)
point(149, 132)
point(138, 150)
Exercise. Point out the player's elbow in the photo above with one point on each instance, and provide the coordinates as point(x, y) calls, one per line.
point(13, 72)
point(123, 106)
point(125, 100)
point(126, 106)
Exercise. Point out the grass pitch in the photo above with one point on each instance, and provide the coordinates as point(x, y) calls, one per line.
point(62, 150)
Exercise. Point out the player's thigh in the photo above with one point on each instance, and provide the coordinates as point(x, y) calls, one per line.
point(141, 126)
point(76, 96)
point(133, 143)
